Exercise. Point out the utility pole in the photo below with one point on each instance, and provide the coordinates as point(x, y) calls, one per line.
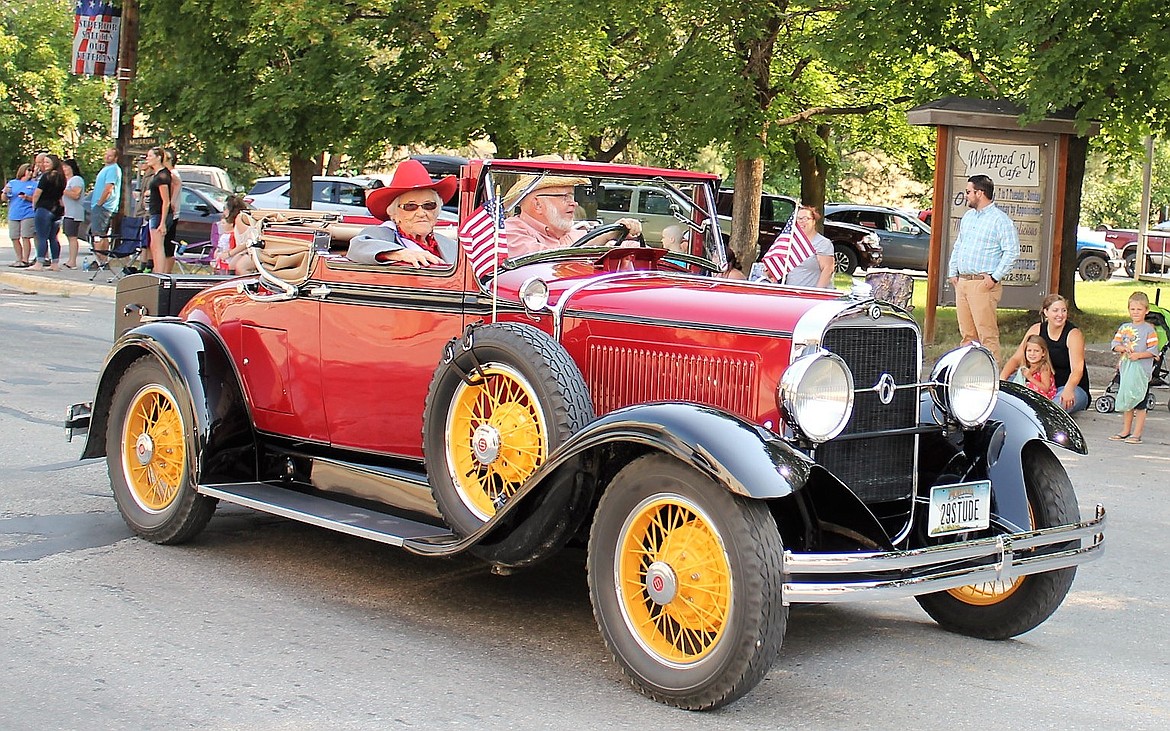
point(123, 105)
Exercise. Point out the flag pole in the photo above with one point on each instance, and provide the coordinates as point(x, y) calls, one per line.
point(123, 114)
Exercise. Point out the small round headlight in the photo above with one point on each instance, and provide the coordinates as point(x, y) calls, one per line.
point(816, 392)
point(965, 384)
point(534, 294)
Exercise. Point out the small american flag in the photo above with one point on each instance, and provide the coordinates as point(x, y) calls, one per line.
point(482, 237)
point(96, 27)
point(790, 248)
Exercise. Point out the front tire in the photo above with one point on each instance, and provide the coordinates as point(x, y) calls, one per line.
point(1094, 269)
point(149, 454)
point(998, 610)
point(685, 580)
point(845, 258)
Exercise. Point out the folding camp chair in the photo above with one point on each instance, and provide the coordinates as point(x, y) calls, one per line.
point(122, 254)
point(197, 257)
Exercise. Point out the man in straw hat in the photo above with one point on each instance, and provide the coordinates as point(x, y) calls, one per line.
point(409, 207)
point(546, 220)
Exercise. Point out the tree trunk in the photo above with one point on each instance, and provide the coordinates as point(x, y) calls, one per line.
point(301, 171)
point(1078, 152)
point(745, 210)
point(813, 169)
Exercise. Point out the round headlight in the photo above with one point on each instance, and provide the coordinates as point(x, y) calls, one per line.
point(534, 294)
point(817, 394)
point(965, 384)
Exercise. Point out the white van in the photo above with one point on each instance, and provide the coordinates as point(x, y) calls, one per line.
point(206, 174)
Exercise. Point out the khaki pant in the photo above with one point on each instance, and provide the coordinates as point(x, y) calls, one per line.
point(975, 306)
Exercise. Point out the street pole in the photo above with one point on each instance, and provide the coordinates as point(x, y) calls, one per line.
point(123, 105)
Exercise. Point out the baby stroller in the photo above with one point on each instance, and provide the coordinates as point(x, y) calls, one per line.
point(1157, 316)
point(122, 254)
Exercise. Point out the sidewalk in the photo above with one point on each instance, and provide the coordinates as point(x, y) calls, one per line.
point(72, 283)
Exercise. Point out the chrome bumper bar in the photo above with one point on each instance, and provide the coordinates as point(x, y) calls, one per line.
point(851, 577)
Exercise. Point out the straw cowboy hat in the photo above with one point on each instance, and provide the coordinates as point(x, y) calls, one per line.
point(512, 197)
point(409, 175)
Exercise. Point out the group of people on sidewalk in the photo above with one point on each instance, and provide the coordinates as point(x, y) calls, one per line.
point(48, 197)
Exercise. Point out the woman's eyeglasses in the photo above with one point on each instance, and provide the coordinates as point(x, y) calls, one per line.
point(428, 206)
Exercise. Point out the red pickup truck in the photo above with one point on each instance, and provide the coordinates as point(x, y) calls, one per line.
point(1126, 240)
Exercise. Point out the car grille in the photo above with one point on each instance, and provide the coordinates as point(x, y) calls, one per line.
point(876, 467)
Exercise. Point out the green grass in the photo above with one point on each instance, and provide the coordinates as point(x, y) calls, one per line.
point(1103, 307)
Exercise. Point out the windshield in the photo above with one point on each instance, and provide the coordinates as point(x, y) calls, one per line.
point(558, 209)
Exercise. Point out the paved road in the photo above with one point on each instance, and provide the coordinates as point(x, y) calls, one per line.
point(266, 624)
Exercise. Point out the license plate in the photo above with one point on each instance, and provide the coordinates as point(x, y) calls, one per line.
point(959, 508)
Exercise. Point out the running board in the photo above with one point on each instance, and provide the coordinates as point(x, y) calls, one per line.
point(325, 513)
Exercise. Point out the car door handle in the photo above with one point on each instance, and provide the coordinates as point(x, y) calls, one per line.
point(320, 291)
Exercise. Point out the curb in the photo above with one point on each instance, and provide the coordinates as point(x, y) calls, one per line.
point(33, 284)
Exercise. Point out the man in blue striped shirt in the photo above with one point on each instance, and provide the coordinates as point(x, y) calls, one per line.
point(984, 253)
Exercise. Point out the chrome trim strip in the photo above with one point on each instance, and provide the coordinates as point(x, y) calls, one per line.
point(933, 566)
point(558, 310)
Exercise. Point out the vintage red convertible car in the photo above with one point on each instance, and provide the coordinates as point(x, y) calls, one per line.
point(722, 448)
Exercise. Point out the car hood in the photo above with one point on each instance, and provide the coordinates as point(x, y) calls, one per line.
point(578, 289)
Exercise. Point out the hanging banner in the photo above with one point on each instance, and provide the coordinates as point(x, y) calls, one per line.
point(96, 25)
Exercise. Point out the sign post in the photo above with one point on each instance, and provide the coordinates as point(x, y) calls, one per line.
point(1027, 164)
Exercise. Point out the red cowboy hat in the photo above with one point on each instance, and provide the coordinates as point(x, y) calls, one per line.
point(409, 175)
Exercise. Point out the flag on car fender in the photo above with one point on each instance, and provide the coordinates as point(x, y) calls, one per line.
point(482, 237)
point(788, 251)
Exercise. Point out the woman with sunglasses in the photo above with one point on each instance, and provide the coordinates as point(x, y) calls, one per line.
point(409, 207)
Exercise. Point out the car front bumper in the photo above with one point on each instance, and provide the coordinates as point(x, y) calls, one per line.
point(851, 577)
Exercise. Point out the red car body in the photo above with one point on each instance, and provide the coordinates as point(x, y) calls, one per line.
point(722, 448)
point(1126, 241)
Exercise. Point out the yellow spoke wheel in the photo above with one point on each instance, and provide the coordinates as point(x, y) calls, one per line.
point(154, 451)
point(686, 580)
point(987, 593)
point(496, 438)
point(674, 579)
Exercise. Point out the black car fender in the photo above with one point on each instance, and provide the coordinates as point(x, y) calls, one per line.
point(995, 450)
point(547, 511)
point(209, 395)
point(745, 458)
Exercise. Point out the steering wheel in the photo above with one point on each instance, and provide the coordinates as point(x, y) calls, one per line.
point(608, 235)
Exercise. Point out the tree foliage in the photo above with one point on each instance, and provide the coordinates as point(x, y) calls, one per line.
point(46, 106)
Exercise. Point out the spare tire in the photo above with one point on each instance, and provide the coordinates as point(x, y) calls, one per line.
point(503, 400)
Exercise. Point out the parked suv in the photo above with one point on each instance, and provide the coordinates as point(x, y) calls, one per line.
point(853, 246)
point(905, 239)
point(330, 193)
point(718, 449)
point(207, 175)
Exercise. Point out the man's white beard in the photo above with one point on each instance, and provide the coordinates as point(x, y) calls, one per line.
point(558, 221)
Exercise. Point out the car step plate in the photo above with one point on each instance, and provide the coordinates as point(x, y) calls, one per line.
point(319, 511)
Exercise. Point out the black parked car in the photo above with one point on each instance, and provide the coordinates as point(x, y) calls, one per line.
point(905, 239)
point(853, 246)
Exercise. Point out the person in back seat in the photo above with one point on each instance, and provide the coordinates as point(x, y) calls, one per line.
point(409, 207)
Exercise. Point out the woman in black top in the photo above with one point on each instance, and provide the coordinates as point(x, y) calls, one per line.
point(1066, 352)
point(47, 212)
point(158, 206)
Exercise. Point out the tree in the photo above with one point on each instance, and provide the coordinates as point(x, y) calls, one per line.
point(47, 106)
point(291, 77)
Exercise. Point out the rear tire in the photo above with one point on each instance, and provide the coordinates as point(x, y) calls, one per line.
point(685, 580)
point(1000, 610)
point(149, 453)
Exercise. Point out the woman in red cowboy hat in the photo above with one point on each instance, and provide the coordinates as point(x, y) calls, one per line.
point(409, 207)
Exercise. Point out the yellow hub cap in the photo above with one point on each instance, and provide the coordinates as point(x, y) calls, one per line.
point(154, 453)
point(496, 438)
point(674, 579)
